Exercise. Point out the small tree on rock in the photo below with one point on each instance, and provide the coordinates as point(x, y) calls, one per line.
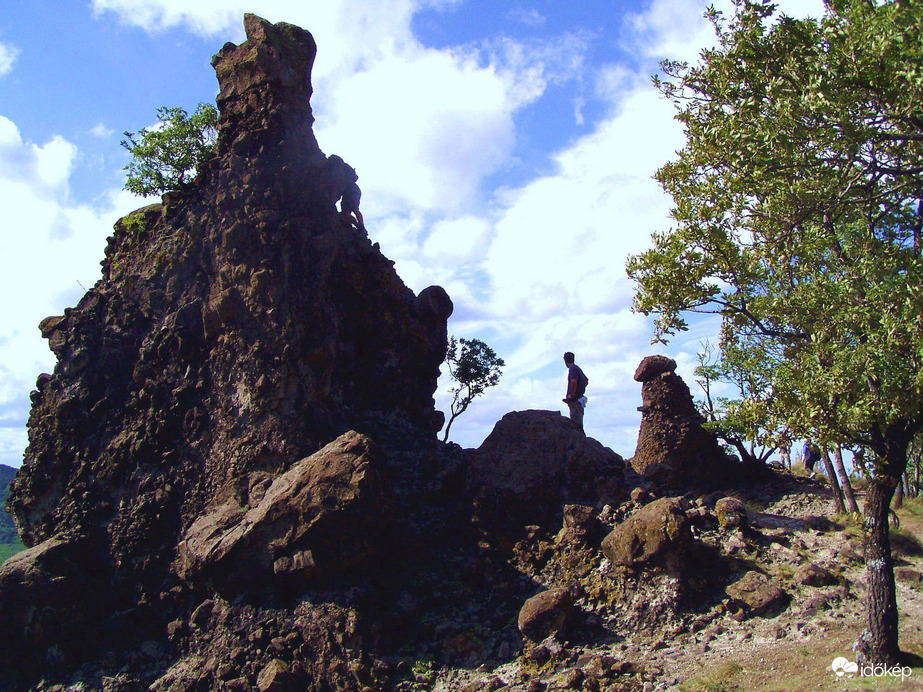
point(165, 157)
point(474, 366)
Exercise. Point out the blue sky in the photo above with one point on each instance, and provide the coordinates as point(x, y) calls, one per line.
point(505, 151)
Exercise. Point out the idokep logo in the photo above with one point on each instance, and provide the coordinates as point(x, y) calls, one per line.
point(843, 666)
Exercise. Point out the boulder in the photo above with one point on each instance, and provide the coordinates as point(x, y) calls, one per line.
point(276, 676)
point(658, 533)
point(531, 465)
point(52, 604)
point(546, 613)
point(652, 366)
point(581, 523)
point(813, 574)
point(756, 593)
point(319, 517)
point(731, 513)
point(908, 574)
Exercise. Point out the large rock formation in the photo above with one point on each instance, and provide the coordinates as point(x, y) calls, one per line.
point(673, 446)
point(238, 327)
point(531, 465)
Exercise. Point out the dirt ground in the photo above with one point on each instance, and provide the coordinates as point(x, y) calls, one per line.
point(796, 649)
point(791, 651)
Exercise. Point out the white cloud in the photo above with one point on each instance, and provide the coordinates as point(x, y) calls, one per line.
point(101, 131)
point(457, 242)
point(8, 55)
point(422, 129)
point(47, 167)
point(562, 243)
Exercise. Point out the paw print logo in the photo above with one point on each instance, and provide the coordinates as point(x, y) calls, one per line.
point(841, 666)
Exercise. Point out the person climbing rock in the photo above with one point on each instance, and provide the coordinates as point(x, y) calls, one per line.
point(348, 191)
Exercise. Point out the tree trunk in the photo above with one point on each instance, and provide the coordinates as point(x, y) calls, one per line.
point(851, 504)
point(898, 501)
point(879, 643)
point(834, 484)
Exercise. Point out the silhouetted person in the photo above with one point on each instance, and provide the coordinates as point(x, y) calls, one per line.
point(576, 388)
point(347, 190)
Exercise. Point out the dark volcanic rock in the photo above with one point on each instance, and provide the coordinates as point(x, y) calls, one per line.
point(531, 465)
point(673, 447)
point(731, 513)
point(238, 327)
point(51, 597)
point(659, 533)
point(546, 613)
point(319, 517)
point(756, 593)
point(652, 366)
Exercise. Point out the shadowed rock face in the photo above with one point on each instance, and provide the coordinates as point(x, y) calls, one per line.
point(531, 465)
point(238, 327)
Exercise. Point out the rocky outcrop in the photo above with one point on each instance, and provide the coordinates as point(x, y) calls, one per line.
point(530, 466)
point(239, 326)
point(756, 594)
point(674, 448)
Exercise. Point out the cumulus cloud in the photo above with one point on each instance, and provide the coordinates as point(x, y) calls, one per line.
point(422, 130)
point(8, 55)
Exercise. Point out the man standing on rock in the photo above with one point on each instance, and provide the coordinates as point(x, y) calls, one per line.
point(576, 388)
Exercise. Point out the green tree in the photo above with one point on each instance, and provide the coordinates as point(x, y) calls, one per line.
point(798, 202)
point(473, 366)
point(749, 421)
point(165, 157)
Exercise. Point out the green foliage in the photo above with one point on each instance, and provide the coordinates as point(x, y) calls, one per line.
point(474, 366)
point(797, 204)
point(750, 421)
point(8, 550)
point(165, 157)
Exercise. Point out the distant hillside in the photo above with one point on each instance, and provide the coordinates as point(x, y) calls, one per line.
point(7, 529)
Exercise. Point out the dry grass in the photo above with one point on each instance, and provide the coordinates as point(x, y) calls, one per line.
point(717, 679)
